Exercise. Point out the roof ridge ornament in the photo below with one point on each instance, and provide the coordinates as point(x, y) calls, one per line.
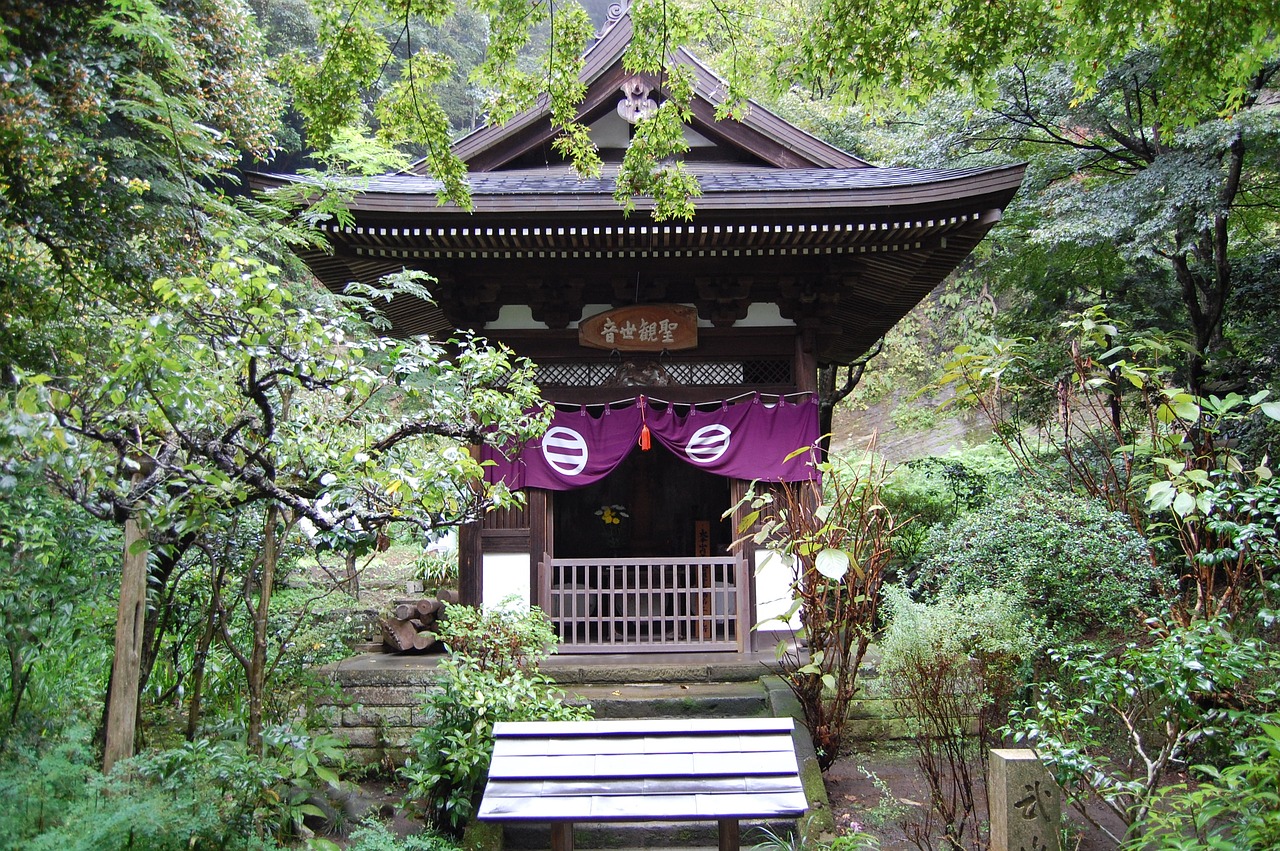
point(616, 13)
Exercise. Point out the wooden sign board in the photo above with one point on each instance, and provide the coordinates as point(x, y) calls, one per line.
point(702, 537)
point(641, 328)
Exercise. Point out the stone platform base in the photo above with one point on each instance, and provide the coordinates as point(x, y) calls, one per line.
point(382, 693)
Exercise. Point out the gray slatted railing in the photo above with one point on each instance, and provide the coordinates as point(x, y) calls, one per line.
point(645, 604)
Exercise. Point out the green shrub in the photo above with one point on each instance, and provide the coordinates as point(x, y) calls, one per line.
point(373, 835)
point(931, 491)
point(1237, 807)
point(951, 667)
point(38, 787)
point(509, 637)
point(935, 490)
point(491, 677)
point(202, 795)
point(266, 797)
point(1077, 566)
point(1117, 722)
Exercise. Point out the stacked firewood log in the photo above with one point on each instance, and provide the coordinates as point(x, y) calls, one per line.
point(411, 626)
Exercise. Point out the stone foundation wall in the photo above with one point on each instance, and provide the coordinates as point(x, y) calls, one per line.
point(378, 713)
point(381, 695)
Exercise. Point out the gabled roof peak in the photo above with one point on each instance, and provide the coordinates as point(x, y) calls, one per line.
point(760, 136)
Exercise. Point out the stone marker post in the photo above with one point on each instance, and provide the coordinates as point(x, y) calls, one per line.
point(1026, 805)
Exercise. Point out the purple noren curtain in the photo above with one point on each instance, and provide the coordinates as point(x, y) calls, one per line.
point(747, 440)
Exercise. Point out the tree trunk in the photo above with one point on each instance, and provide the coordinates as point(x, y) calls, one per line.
point(353, 577)
point(830, 395)
point(257, 673)
point(161, 580)
point(197, 670)
point(122, 703)
point(18, 674)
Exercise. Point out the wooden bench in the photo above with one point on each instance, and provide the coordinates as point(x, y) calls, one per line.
point(722, 770)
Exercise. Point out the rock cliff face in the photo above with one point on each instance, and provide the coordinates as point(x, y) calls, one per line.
point(904, 438)
point(890, 405)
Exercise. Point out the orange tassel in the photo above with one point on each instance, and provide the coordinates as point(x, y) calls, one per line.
point(644, 438)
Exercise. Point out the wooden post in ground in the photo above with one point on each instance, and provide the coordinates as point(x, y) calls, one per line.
point(729, 835)
point(562, 836)
point(126, 668)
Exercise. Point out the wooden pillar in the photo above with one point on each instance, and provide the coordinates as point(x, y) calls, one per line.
point(470, 565)
point(806, 365)
point(729, 839)
point(562, 836)
point(539, 541)
point(126, 667)
point(747, 552)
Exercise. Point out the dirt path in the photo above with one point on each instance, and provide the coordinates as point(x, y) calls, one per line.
point(881, 792)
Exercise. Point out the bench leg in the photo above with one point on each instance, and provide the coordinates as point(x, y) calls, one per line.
point(729, 840)
point(562, 836)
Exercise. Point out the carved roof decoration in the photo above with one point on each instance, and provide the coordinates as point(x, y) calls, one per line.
point(843, 248)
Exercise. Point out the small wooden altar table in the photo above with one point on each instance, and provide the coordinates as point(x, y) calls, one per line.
point(719, 769)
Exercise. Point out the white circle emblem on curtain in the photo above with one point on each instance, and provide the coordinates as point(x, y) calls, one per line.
point(708, 443)
point(565, 450)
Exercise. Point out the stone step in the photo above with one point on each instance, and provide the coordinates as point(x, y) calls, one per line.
point(657, 668)
point(672, 700)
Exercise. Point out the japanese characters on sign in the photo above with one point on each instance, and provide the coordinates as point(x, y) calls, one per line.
point(641, 328)
point(702, 537)
point(1026, 804)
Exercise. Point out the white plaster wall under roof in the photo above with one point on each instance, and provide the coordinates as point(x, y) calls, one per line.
point(519, 317)
point(613, 133)
point(763, 314)
point(514, 317)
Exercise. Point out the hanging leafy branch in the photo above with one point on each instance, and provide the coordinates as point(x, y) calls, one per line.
point(906, 52)
point(239, 390)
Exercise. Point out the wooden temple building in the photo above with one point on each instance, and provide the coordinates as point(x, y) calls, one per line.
point(707, 337)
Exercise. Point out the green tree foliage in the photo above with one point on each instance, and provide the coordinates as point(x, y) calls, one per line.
point(151, 374)
point(1151, 140)
point(1116, 723)
point(1213, 54)
point(1168, 213)
point(54, 611)
point(111, 116)
point(354, 55)
point(1072, 564)
point(491, 676)
point(271, 399)
point(236, 393)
